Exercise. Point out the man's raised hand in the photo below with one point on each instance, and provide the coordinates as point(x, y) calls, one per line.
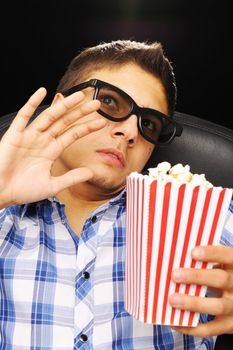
point(27, 152)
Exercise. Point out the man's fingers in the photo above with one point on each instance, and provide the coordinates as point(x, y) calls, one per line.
point(79, 130)
point(216, 278)
point(217, 254)
point(211, 306)
point(213, 328)
point(25, 113)
point(71, 178)
point(71, 117)
point(55, 111)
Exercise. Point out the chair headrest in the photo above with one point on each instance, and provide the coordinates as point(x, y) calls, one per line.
point(207, 147)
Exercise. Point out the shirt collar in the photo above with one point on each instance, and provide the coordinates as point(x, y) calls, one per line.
point(120, 199)
point(28, 208)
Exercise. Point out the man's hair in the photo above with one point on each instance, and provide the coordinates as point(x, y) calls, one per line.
point(149, 56)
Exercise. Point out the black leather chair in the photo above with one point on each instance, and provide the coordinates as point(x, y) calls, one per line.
point(207, 147)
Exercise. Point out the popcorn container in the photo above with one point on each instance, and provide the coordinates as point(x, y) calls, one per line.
point(164, 222)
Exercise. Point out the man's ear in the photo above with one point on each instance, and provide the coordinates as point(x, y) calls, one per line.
point(57, 97)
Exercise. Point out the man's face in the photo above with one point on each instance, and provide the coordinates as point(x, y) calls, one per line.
point(117, 149)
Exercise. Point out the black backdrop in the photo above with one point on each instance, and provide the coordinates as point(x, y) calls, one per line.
point(38, 39)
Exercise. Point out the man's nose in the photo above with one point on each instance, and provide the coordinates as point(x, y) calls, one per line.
point(127, 130)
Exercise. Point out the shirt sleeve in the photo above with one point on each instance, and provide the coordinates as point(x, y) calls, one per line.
point(227, 233)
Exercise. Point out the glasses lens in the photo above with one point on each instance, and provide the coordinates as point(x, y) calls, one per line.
point(113, 103)
point(157, 128)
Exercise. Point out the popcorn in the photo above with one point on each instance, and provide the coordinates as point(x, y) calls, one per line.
point(163, 167)
point(178, 173)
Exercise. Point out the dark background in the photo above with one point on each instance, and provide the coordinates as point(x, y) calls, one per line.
point(39, 38)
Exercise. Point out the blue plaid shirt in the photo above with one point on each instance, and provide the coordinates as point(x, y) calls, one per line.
point(62, 292)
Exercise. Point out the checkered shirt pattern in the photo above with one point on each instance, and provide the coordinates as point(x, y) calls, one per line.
point(61, 292)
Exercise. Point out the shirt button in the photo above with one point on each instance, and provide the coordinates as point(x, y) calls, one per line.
point(94, 219)
point(86, 275)
point(63, 222)
point(83, 337)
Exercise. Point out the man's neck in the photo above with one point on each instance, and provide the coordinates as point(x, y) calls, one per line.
point(81, 199)
point(72, 200)
point(77, 208)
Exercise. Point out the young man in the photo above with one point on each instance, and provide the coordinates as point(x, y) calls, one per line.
point(62, 237)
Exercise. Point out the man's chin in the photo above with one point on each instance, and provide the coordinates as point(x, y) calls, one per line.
point(106, 184)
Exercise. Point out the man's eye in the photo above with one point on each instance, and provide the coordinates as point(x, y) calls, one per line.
point(147, 123)
point(108, 100)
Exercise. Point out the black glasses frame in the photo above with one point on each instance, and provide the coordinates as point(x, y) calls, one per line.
point(135, 109)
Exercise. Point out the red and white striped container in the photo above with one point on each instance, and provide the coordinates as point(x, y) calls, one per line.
point(164, 223)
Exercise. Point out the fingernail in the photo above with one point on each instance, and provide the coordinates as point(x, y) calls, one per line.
point(176, 300)
point(177, 275)
point(73, 97)
point(198, 253)
point(98, 123)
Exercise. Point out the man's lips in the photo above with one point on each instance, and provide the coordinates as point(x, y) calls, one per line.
point(113, 156)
